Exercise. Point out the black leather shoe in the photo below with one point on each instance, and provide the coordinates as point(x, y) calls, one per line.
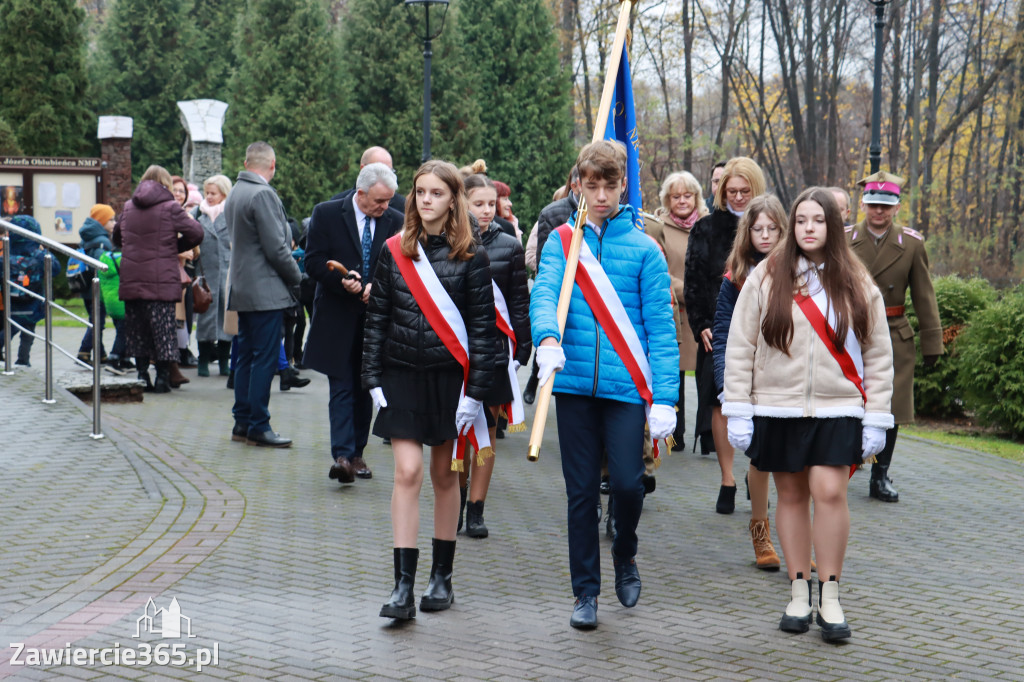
point(439, 595)
point(360, 468)
point(606, 486)
point(881, 488)
point(584, 613)
point(627, 582)
point(650, 484)
point(402, 604)
point(342, 471)
point(726, 500)
point(268, 439)
point(239, 433)
point(290, 379)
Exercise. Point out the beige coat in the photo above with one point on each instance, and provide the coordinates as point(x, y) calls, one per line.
point(897, 263)
point(673, 241)
point(764, 381)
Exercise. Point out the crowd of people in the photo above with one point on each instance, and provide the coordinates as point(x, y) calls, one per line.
point(791, 322)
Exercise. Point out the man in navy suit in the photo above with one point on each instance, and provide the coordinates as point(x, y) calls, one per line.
point(351, 231)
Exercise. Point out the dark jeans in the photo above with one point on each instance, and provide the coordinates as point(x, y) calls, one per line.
point(350, 411)
point(587, 427)
point(259, 346)
point(25, 347)
point(86, 346)
point(118, 349)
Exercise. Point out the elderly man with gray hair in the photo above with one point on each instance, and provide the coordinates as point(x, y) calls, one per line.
point(345, 237)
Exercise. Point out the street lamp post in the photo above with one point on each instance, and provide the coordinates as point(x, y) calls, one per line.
point(875, 151)
point(428, 36)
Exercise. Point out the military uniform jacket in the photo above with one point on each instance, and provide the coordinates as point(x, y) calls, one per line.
point(897, 262)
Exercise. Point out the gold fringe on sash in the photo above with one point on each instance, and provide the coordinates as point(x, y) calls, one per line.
point(516, 428)
point(483, 454)
point(457, 465)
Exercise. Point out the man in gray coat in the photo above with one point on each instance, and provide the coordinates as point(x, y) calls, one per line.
point(263, 275)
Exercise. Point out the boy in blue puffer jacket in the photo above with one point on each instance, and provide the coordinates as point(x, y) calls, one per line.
point(619, 365)
point(27, 269)
point(95, 234)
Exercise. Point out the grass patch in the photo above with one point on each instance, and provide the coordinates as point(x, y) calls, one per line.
point(968, 436)
point(75, 305)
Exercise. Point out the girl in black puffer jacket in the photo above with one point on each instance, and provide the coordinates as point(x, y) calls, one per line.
point(415, 379)
point(508, 270)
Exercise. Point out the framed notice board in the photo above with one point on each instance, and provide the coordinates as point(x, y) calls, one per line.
point(58, 192)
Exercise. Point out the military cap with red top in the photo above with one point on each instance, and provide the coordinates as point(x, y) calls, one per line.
point(881, 188)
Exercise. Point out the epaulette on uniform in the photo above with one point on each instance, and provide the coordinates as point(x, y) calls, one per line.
point(847, 228)
point(913, 233)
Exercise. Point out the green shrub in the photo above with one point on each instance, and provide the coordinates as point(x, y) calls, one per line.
point(992, 364)
point(936, 393)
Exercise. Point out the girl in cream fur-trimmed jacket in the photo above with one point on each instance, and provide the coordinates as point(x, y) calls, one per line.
point(808, 385)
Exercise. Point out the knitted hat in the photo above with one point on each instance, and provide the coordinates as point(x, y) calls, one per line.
point(101, 213)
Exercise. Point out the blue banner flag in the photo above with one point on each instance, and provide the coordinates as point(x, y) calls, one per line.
point(622, 127)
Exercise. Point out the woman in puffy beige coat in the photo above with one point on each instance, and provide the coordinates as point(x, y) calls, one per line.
point(808, 386)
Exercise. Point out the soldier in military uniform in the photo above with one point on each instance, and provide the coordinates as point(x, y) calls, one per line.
point(896, 258)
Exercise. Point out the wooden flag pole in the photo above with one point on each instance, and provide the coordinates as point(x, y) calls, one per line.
point(573, 259)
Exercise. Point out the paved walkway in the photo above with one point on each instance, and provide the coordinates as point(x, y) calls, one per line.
point(282, 571)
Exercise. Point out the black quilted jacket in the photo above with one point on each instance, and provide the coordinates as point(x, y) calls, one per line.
point(508, 268)
point(709, 246)
point(552, 216)
point(398, 335)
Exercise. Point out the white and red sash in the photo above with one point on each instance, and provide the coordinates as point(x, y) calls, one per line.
point(445, 319)
point(514, 411)
point(605, 304)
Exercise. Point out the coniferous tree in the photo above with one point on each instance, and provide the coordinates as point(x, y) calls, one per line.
point(42, 55)
point(211, 58)
point(140, 71)
point(286, 91)
point(8, 141)
point(524, 98)
point(383, 57)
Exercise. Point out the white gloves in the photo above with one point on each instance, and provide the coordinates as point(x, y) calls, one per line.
point(550, 359)
point(662, 421)
point(378, 397)
point(741, 431)
point(469, 408)
point(872, 441)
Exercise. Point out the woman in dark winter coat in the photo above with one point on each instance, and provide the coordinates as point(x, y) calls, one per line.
point(428, 361)
point(214, 343)
point(710, 243)
point(153, 230)
point(508, 271)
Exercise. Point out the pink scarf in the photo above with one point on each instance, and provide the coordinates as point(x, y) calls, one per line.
point(687, 222)
point(213, 212)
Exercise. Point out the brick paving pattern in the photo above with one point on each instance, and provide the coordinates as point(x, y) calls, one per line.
point(285, 570)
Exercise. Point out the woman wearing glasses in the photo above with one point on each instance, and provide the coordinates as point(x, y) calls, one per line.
point(711, 241)
point(760, 230)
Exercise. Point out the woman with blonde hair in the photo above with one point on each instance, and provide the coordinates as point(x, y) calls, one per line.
point(762, 227)
point(682, 205)
point(214, 343)
point(711, 241)
point(429, 353)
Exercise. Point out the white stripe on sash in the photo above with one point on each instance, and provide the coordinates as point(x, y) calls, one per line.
point(501, 307)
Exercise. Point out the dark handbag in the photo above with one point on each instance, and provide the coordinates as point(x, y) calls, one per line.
point(201, 295)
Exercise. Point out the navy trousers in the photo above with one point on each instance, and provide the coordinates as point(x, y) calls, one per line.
point(350, 411)
point(587, 427)
point(259, 346)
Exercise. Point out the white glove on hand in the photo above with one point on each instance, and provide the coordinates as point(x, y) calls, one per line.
point(741, 431)
point(469, 408)
point(378, 397)
point(662, 421)
point(550, 359)
point(872, 441)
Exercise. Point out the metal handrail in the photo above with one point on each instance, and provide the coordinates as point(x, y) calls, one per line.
point(49, 304)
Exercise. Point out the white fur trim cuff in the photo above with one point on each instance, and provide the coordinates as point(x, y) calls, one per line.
point(745, 410)
point(880, 420)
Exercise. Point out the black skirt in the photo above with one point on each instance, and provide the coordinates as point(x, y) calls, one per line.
point(790, 445)
point(421, 405)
